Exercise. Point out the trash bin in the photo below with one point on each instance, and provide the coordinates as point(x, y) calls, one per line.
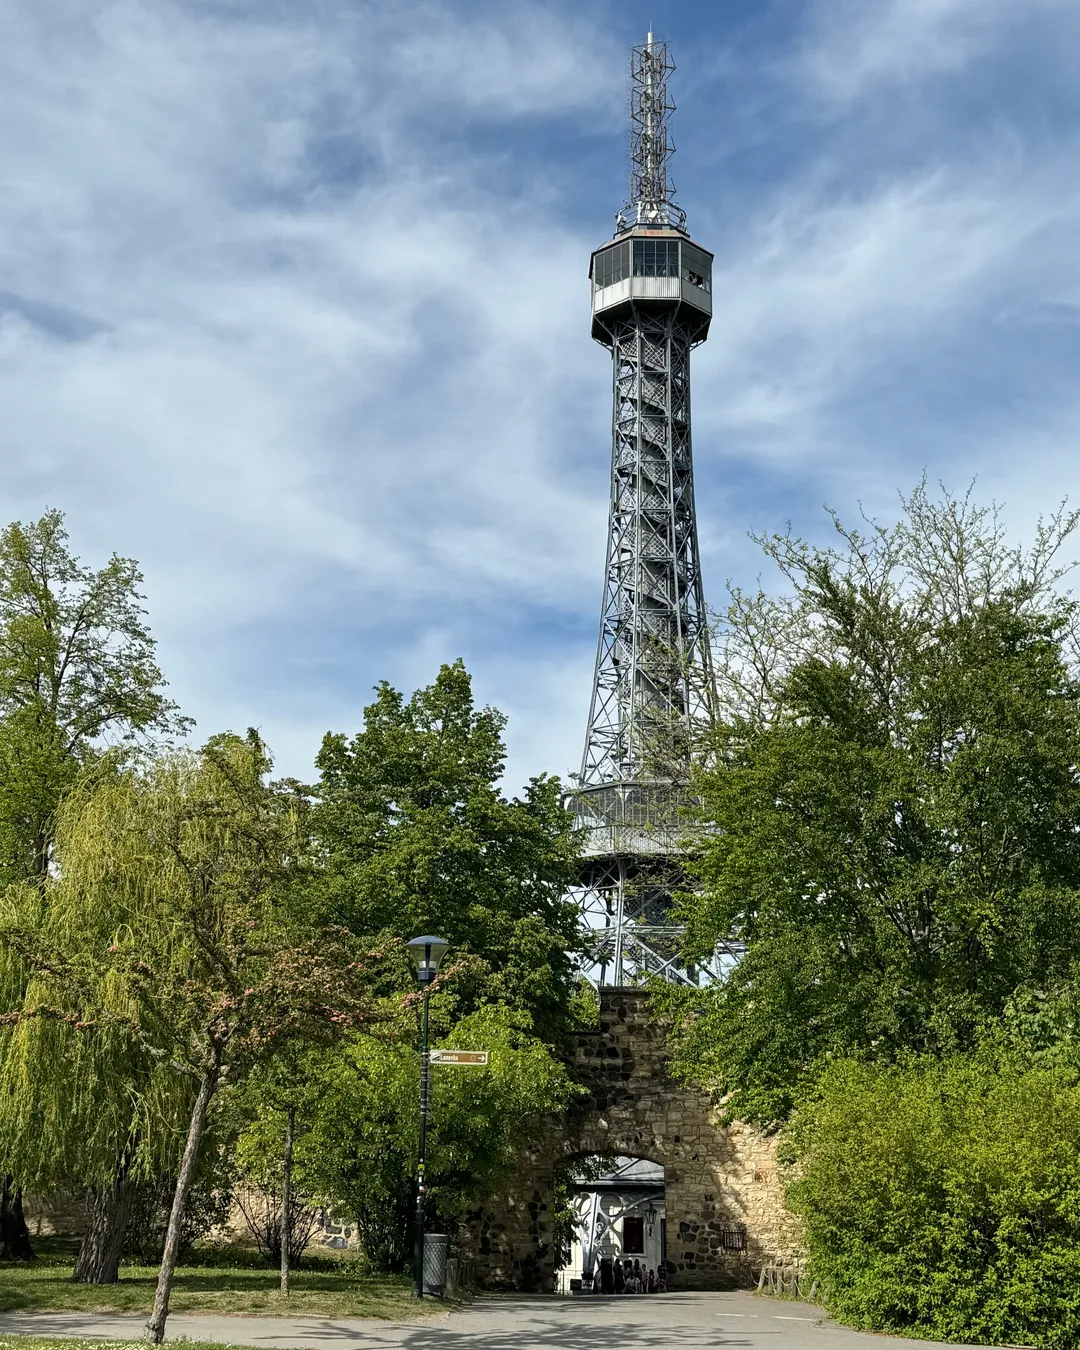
point(436, 1250)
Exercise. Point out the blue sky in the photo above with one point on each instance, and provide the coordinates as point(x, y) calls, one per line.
point(293, 309)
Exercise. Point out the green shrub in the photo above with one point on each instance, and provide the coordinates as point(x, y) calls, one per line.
point(941, 1198)
point(207, 1208)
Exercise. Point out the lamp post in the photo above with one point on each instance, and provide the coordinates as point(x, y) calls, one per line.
point(427, 953)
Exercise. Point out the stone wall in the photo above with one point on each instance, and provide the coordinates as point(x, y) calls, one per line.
point(51, 1215)
point(724, 1201)
point(69, 1215)
point(331, 1230)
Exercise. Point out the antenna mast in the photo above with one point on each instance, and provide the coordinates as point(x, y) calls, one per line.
point(651, 195)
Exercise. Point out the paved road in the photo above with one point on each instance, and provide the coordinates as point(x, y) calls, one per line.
point(674, 1321)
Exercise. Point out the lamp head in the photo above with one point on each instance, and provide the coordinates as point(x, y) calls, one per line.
point(427, 954)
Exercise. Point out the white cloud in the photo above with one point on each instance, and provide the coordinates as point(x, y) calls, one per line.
point(855, 49)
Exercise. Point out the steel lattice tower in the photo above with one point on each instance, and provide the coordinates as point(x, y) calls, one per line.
point(653, 691)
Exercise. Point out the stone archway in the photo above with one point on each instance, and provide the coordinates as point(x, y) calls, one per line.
point(725, 1210)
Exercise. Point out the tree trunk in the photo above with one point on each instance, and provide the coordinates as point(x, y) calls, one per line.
point(14, 1234)
point(155, 1327)
point(286, 1198)
point(99, 1252)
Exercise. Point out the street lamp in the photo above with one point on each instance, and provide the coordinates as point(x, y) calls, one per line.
point(427, 953)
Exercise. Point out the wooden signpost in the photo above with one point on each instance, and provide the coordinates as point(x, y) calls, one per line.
point(471, 1059)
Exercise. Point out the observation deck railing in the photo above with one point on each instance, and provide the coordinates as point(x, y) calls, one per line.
point(634, 818)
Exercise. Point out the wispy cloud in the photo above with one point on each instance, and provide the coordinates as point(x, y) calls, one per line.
point(852, 49)
point(266, 372)
point(827, 291)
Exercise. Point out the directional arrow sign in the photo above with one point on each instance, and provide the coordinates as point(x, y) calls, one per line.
point(472, 1058)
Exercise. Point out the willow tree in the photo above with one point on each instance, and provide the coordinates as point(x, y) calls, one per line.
point(82, 1104)
point(182, 915)
point(77, 671)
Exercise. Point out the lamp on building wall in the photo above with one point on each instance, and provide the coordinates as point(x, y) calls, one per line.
point(650, 1219)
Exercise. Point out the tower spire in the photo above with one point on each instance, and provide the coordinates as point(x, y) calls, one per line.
point(651, 195)
point(653, 690)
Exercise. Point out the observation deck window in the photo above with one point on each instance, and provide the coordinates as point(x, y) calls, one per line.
point(696, 267)
point(656, 257)
point(612, 265)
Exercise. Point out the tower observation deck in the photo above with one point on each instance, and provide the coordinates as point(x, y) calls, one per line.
point(653, 691)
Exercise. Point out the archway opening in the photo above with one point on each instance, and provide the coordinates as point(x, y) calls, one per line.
point(619, 1227)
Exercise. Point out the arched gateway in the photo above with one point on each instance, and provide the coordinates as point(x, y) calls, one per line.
point(723, 1202)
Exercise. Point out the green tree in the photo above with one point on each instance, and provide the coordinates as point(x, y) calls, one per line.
point(77, 669)
point(282, 1094)
point(893, 798)
point(419, 839)
point(357, 1118)
point(181, 914)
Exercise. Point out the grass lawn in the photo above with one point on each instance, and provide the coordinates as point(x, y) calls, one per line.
point(233, 1280)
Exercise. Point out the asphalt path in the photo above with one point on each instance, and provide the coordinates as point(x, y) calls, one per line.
point(672, 1321)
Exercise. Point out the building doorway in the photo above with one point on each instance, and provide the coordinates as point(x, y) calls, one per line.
point(619, 1243)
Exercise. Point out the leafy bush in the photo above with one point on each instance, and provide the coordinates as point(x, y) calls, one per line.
point(262, 1211)
point(207, 1208)
point(942, 1198)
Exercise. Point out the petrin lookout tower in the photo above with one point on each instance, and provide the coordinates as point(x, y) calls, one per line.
point(653, 690)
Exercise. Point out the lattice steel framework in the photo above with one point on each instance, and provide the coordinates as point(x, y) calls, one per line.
point(651, 194)
point(653, 691)
point(653, 683)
